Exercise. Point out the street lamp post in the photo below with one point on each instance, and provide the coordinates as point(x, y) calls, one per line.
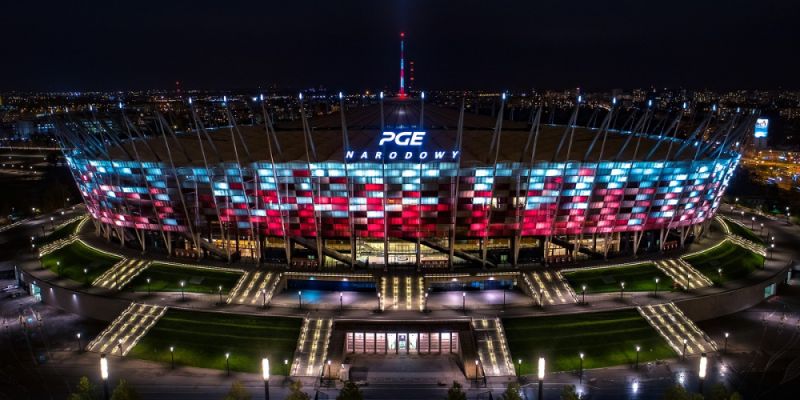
point(583, 294)
point(580, 372)
point(683, 354)
point(228, 364)
point(425, 307)
point(329, 369)
point(701, 372)
point(719, 272)
point(688, 281)
point(621, 289)
point(341, 301)
point(519, 368)
point(86, 276)
point(637, 356)
point(380, 302)
point(219, 291)
point(300, 299)
point(725, 346)
point(172, 357)
point(655, 293)
point(476, 372)
point(540, 374)
point(264, 298)
point(752, 223)
point(183, 283)
point(78, 336)
point(148, 286)
point(265, 375)
point(464, 302)
point(104, 374)
point(286, 366)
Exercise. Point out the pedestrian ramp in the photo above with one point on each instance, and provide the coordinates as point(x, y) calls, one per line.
point(678, 330)
point(255, 288)
point(312, 347)
point(403, 292)
point(119, 275)
point(548, 287)
point(683, 274)
point(492, 349)
point(127, 329)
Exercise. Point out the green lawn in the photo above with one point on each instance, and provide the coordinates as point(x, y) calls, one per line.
point(60, 233)
point(637, 278)
point(167, 278)
point(201, 339)
point(745, 233)
point(606, 338)
point(736, 262)
point(74, 258)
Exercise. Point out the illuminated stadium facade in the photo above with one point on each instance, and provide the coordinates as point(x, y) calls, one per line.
point(402, 182)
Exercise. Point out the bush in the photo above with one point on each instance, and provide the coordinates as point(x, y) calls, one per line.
point(124, 391)
point(84, 391)
point(350, 392)
point(455, 392)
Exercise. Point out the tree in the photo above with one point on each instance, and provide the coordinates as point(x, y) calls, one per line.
point(512, 392)
point(455, 392)
point(84, 391)
point(568, 393)
point(677, 392)
point(720, 392)
point(296, 392)
point(124, 391)
point(237, 392)
point(350, 392)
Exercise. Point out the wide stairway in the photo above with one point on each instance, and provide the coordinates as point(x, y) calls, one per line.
point(255, 288)
point(312, 347)
point(492, 347)
point(681, 272)
point(403, 292)
point(550, 285)
point(675, 328)
point(121, 273)
point(125, 331)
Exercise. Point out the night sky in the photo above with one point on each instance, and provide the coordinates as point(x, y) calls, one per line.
point(353, 45)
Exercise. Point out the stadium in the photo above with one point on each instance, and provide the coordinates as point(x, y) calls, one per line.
point(398, 182)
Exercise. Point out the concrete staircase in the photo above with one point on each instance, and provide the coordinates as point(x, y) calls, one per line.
point(254, 287)
point(492, 347)
point(675, 328)
point(403, 292)
point(550, 285)
point(312, 347)
point(125, 331)
point(121, 273)
point(679, 270)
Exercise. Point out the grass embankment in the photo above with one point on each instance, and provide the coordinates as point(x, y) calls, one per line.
point(74, 258)
point(167, 278)
point(201, 339)
point(637, 278)
point(605, 338)
point(735, 261)
point(60, 233)
point(744, 233)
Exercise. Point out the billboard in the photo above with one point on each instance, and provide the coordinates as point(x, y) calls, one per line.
point(762, 125)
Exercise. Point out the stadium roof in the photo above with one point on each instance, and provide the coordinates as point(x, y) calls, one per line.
point(364, 127)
